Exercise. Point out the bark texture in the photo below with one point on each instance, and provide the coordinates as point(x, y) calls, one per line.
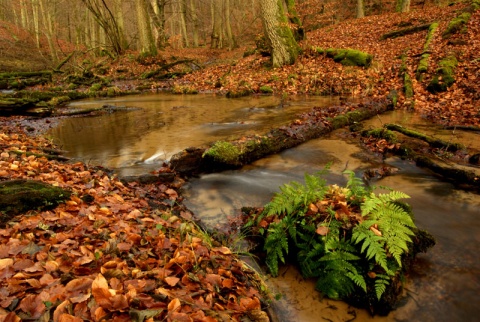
point(284, 48)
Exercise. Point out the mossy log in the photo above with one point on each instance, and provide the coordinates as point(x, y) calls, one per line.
point(347, 57)
point(433, 142)
point(236, 153)
point(444, 76)
point(19, 196)
point(462, 175)
point(20, 80)
point(405, 31)
point(457, 24)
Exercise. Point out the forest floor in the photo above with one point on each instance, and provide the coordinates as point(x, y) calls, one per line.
point(128, 251)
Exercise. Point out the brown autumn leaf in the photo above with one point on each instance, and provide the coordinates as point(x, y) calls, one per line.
point(171, 280)
point(101, 292)
point(174, 305)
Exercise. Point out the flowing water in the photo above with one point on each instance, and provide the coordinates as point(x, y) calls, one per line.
point(444, 284)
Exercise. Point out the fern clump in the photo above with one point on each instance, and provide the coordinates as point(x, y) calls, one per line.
point(351, 239)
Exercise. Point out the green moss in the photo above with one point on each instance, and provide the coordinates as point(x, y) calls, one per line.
point(266, 89)
point(422, 66)
point(431, 31)
point(347, 57)
point(408, 85)
point(444, 76)
point(96, 87)
point(339, 121)
point(224, 152)
point(18, 196)
point(457, 24)
point(475, 5)
point(184, 90)
point(241, 92)
point(381, 133)
point(55, 101)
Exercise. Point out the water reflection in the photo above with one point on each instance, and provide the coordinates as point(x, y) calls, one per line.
point(165, 124)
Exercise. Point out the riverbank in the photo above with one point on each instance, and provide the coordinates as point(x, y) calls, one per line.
point(113, 250)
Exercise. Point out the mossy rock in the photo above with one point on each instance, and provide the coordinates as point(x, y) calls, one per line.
point(348, 57)
point(19, 196)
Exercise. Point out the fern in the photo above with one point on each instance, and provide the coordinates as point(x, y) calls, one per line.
point(276, 244)
point(340, 276)
point(372, 245)
point(353, 245)
point(381, 283)
point(393, 222)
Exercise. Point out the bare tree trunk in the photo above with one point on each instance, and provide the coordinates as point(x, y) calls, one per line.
point(156, 11)
point(403, 5)
point(36, 22)
point(147, 42)
point(119, 17)
point(216, 35)
point(183, 24)
point(228, 26)
point(105, 18)
point(194, 15)
point(275, 25)
point(360, 9)
point(48, 25)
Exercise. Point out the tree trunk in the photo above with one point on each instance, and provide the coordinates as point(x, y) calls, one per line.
point(216, 35)
point(119, 16)
point(48, 25)
point(284, 48)
point(36, 22)
point(294, 19)
point(156, 11)
point(360, 9)
point(147, 43)
point(106, 20)
point(195, 23)
point(183, 23)
point(403, 5)
point(228, 26)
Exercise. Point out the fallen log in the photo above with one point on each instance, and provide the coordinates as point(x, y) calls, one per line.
point(223, 155)
point(405, 31)
point(433, 142)
point(18, 196)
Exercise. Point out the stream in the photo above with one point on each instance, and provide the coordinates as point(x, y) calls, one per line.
point(444, 284)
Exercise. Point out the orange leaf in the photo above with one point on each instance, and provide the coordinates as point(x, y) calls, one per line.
point(174, 305)
point(101, 292)
point(172, 280)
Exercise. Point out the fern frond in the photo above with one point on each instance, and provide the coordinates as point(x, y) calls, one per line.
point(372, 244)
point(381, 283)
point(276, 244)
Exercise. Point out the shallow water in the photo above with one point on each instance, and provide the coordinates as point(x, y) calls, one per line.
point(164, 124)
point(445, 282)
